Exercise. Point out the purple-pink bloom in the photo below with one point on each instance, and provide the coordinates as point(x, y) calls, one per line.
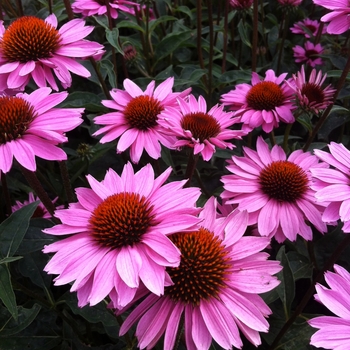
point(290, 3)
point(307, 26)
point(308, 54)
point(215, 290)
point(98, 7)
point(196, 127)
point(331, 185)
point(263, 103)
point(33, 48)
point(241, 4)
point(30, 126)
point(310, 95)
point(333, 331)
point(338, 17)
point(135, 119)
point(118, 234)
point(275, 190)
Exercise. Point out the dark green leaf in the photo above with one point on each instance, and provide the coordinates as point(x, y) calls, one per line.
point(300, 265)
point(84, 99)
point(242, 29)
point(131, 25)
point(154, 23)
point(13, 229)
point(7, 294)
point(112, 37)
point(8, 260)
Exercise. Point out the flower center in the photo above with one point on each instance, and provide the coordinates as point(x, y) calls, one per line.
point(15, 116)
point(39, 212)
point(311, 28)
point(121, 220)
point(204, 264)
point(202, 125)
point(142, 112)
point(313, 92)
point(311, 53)
point(265, 95)
point(283, 181)
point(102, 2)
point(29, 39)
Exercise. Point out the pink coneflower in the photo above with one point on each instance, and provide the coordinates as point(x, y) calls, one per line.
point(241, 4)
point(40, 211)
point(98, 7)
point(264, 103)
point(307, 26)
point(334, 331)
point(310, 95)
point(119, 231)
point(275, 190)
point(290, 3)
point(338, 18)
point(135, 120)
point(332, 185)
point(30, 126)
point(215, 288)
point(308, 54)
point(32, 47)
point(198, 128)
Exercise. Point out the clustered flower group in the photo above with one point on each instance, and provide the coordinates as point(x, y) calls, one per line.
point(141, 237)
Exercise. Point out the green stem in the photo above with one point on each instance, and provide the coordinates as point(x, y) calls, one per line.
point(285, 22)
point(66, 181)
point(20, 7)
point(191, 167)
point(211, 51)
point(199, 39)
point(6, 194)
point(286, 135)
point(69, 10)
point(255, 34)
point(311, 290)
point(225, 38)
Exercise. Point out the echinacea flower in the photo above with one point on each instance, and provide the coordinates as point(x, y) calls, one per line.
point(118, 234)
point(308, 54)
point(196, 127)
point(310, 95)
point(30, 126)
point(338, 17)
point(275, 190)
point(333, 331)
point(135, 119)
point(264, 103)
point(40, 211)
point(33, 48)
point(241, 4)
point(307, 26)
point(98, 7)
point(215, 290)
point(332, 184)
point(290, 3)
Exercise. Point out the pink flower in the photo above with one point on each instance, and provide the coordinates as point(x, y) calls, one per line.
point(119, 231)
point(135, 119)
point(264, 103)
point(98, 7)
point(32, 48)
point(309, 94)
point(332, 185)
point(40, 211)
point(308, 54)
point(290, 3)
point(198, 128)
point(338, 17)
point(333, 331)
point(306, 26)
point(241, 4)
point(215, 288)
point(30, 126)
point(275, 190)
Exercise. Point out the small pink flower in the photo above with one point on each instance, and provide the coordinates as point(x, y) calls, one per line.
point(333, 331)
point(118, 234)
point(135, 119)
point(332, 185)
point(241, 4)
point(33, 48)
point(275, 190)
point(309, 94)
point(264, 103)
point(308, 54)
point(198, 128)
point(98, 7)
point(338, 17)
point(30, 126)
point(215, 290)
point(306, 26)
point(290, 3)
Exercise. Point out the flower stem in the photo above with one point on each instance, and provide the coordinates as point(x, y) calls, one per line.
point(286, 135)
point(311, 290)
point(211, 51)
point(66, 182)
point(255, 34)
point(35, 184)
point(6, 193)
point(191, 167)
point(69, 10)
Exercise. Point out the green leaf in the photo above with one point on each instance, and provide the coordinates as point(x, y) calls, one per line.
point(112, 37)
point(83, 99)
point(13, 229)
point(7, 294)
point(131, 25)
point(242, 29)
point(286, 289)
point(300, 265)
point(8, 260)
point(154, 23)
point(25, 318)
